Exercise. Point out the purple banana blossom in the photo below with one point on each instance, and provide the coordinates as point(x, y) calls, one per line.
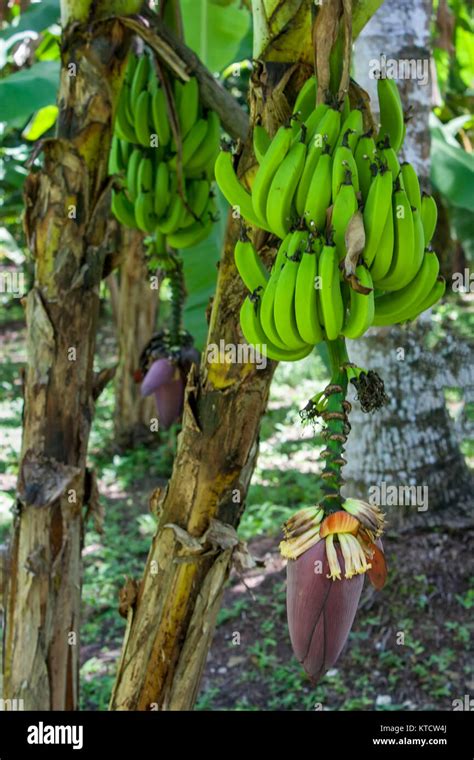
point(165, 380)
point(320, 610)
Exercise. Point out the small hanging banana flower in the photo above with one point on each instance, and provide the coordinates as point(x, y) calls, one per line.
point(166, 382)
point(328, 557)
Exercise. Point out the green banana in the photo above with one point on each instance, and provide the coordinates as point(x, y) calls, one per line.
point(351, 130)
point(284, 302)
point(142, 118)
point(250, 266)
point(130, 70)
point(306, 297)
point(383, 256)
point(122, 209)
point(436, 292)
point(326, 129)
point(364, 156)
point(206, 154)
point(429, 216)
point(172, 221)
point(305, 101)
point(132, 172)
point(198, 196)
point(268, 168)
point(330, 296)
point(405, 262)
point(144, 212)
point(162, 189)
point(391, 113)
point(233, 191)
point(282, 190)
point(377, 206)
point(191, 144)
point(309, 128)
point(393, 308)
point(312, 157)
point(344, 208)
point(343, 160)
point(318, 197)
point(361, 308)
point(387, 156)
point(139, 81)
point(126, 149)
point(196, 233)
point(255, 336)
point(411, 185)
point(267, 317)
point(188, 108)
point(123, 127)
point(145, 175)
point(261, 142)
point(115, 162)
point(159, 116)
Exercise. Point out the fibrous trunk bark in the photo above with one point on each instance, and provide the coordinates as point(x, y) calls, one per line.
point(137, 306)
point(67, 205)
point(411, 442)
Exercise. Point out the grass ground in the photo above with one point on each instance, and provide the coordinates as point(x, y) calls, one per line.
point(409, 645)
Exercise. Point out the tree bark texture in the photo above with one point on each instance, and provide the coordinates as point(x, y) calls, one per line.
point(412, 441)
point(136, 323)
point(67, 205)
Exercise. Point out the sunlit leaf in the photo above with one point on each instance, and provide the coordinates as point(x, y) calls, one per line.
point(40, 123)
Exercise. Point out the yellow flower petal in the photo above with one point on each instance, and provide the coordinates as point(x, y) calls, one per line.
point(331, 554)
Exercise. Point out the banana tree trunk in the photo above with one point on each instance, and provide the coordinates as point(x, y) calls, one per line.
point(411, 442)
point(67, 205)
point(171, 619)
point(137, 306)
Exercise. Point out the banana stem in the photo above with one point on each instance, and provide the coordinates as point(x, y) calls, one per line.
point(177, 288)
point(337, 426)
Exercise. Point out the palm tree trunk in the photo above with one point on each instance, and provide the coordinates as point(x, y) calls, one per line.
point(67, 206)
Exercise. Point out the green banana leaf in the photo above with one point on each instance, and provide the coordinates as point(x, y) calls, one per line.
point(215, 31)
point(26, 91)
point(200, 272)
point(452, 169)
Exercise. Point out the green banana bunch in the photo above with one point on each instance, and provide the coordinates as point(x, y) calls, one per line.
point(313, 177)
point(144, 151)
